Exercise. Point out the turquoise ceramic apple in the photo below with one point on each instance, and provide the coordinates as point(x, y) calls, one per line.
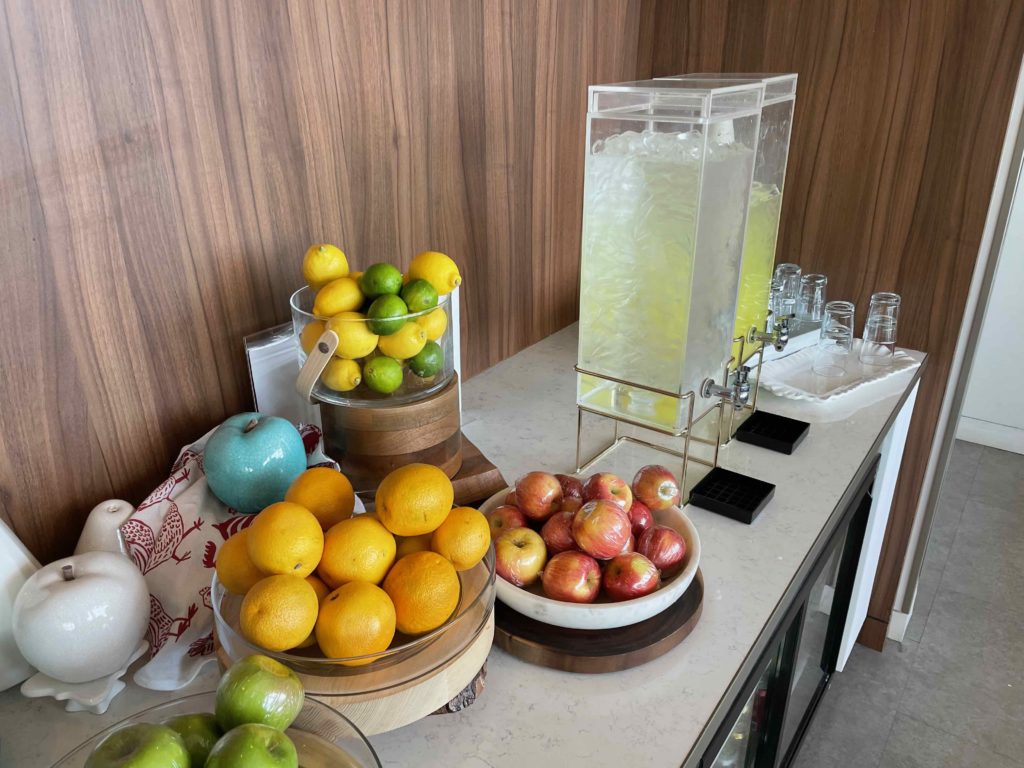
point(251, 459)
point(142, 745)
point(253, 746)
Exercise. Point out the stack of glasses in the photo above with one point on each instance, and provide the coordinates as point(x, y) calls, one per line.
point(835, 342)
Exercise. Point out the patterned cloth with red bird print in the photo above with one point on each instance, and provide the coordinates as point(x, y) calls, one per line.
point(173, 537)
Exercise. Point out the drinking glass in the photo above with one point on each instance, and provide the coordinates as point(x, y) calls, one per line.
point(785, 289)
point(879, 343)
point(811, 302)
point(835, 341)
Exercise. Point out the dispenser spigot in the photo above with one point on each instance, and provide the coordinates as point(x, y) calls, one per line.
point(778, 337)
point(738, 393)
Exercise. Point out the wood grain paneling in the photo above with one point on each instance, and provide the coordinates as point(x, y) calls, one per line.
point(901, 112)
point(163, 166)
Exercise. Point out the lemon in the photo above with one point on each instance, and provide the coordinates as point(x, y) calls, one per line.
point(434, 323)
point(341, 295)
point(323, 263)
point(310, 333)
point(341, 375)
point(404, 343)
point(437, 269)
point(355, 339)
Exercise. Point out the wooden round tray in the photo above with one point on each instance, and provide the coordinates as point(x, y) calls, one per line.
point(604, 650)
point(389, 709)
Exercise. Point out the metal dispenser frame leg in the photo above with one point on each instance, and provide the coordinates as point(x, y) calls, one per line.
point(686, 432)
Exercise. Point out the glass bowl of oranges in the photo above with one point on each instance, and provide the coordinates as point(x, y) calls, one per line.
point(392, 332)
point(364, 604)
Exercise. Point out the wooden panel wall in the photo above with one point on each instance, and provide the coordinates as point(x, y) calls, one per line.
point(901, 112)
point(163, 166)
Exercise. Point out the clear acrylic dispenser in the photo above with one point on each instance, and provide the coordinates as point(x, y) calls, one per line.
point(752, 323)
point(669, 167)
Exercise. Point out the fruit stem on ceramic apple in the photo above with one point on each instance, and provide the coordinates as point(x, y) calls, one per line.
point(68, 572)
point(250, 426)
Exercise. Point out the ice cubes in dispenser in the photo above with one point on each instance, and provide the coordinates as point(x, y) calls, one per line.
point(666, 194)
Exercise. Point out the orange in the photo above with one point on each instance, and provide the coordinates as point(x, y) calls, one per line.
point(286, 538)
point(357, 549)
point(310, 333)
point(425, 590)
point(409, 544)
point(325, 492)
point(279, 612)
point(234, 567)
point(414, 499)
point(356, 619)
point(463, 538)
point(322, 590)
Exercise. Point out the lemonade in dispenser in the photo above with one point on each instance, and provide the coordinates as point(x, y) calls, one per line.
point(669, 166)
point(765, 209)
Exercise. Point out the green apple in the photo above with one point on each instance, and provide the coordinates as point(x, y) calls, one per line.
point(199, 732)
point(143, 745)
point(258, 689)
point(253, 746)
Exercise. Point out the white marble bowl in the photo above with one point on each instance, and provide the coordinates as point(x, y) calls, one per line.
point(531, 601)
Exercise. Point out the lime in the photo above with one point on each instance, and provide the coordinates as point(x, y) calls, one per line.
point(355, 339)
point(434, 323)
point(383, 374)
point(419, 295)
point(380, 280)
point(404, 343)
point(428, 361)
point(387, 314)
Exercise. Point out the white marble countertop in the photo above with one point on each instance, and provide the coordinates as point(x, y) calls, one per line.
point(522, 415)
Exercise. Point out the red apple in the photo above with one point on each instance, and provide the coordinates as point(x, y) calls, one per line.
point(656, 487)
point(663, 546)
point(557, 533)
point(601, 528)
point(510, 499)
point(640, 518)
point(605, 485)
point(538, 495)
point(502, 518)
point(519, 556)
point(570, 505)
point(630, 575)
point(629, 546)
point(572, 576)
point(572, 487)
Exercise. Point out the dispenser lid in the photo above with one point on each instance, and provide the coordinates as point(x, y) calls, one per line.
point(777, 86)
point(694, 101)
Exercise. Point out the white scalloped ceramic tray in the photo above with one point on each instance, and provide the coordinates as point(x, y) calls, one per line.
point(605, 615)
point(791, 376)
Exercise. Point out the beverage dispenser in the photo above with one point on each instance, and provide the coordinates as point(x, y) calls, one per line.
point(753, 327)
point(669, 167)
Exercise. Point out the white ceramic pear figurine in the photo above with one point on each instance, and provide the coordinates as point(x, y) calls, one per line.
point(102, 530)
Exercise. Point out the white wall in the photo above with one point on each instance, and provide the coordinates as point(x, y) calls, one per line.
point(993, 409)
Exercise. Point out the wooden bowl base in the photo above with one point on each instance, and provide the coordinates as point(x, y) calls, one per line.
point(604, 650)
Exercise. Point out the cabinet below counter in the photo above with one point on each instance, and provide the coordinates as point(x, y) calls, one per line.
point(678, 709)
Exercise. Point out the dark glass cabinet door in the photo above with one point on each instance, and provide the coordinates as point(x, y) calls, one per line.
point(766, 723)
point(740, 748)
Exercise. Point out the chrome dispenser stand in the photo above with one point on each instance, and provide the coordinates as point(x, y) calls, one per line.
point(778, 336)
point(735, 393)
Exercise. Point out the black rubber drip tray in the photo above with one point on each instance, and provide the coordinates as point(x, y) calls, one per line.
point(731, 494)
point(774, 432)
